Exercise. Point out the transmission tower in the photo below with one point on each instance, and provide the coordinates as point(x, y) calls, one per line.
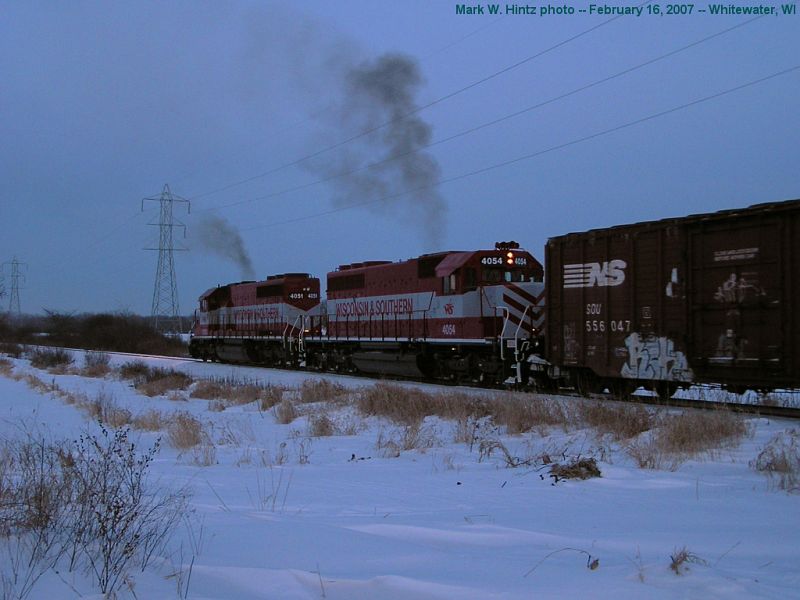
point(17, 277)
point(165, 310)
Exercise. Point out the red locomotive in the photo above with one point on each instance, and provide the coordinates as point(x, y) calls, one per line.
point(472, 316)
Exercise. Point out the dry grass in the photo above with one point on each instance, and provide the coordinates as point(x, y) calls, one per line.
point(134, 370)
point(285, 412)
point(780, 461)
point(519, 413)
point(6, 367)
point(621, 421)
point(321, 390)
point(579, 468)
point(161, 382)
point(679, 437)
point(695, 432)
point(149, 420)
point(408, 405)
point(227, 390)
point(204, 455)
point(415, 436)
point(321, 425)
point(185, 431)
point(96, 364)
point(271, 396)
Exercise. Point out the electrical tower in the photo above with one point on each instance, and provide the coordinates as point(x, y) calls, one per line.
point(165, 310)
point(16, 278)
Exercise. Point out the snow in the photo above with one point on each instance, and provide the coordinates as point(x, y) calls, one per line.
point(428, 524)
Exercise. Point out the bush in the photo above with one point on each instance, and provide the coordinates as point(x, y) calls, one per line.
point(81, 505)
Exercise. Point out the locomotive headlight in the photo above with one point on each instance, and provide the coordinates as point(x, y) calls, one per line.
point(510, 258)
point(509, 255)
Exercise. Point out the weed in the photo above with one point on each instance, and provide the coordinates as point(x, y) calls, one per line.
point(681, 558)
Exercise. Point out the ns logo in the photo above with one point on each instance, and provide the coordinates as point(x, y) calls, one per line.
point(584, 275)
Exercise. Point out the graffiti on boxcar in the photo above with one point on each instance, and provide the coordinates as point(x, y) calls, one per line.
point(655, 358)
point(739, 288)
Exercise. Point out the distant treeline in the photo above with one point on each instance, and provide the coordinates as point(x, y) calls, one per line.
point(119, 332)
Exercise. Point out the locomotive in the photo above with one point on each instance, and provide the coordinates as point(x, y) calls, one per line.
point(473, 316)
point(663, 304)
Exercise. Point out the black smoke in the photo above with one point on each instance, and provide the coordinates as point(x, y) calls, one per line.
point(217, 236)
point(386, 170)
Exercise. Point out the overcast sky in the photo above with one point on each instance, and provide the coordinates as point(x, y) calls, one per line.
point(257, 113)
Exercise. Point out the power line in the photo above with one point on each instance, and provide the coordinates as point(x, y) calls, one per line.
point(488, 123)
point(537, 153)
point(439, 100)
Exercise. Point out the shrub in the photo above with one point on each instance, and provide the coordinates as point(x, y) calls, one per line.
point(48, 358)
point(118, 521)
point(83, 505)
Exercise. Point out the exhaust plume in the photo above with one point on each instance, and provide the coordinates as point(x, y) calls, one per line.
point(217, 236)
point(381, 94)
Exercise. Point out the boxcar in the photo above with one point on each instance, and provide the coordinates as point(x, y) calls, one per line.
point(707, 298)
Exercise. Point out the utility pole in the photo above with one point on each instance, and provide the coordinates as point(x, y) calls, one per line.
point(16, 277)
point(165, 310)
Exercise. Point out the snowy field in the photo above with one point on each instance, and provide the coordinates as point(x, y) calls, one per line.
point(276, 512)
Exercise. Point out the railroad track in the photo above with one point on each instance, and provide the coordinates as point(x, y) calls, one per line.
point(764, 410)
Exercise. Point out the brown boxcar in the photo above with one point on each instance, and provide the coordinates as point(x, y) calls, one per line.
point(705, 298)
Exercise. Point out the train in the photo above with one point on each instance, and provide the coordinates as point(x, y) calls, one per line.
point(706, 298)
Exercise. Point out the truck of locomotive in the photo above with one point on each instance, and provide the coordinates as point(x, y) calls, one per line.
point(473, 316)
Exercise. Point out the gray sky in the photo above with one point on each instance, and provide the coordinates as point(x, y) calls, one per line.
point(102, 103)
